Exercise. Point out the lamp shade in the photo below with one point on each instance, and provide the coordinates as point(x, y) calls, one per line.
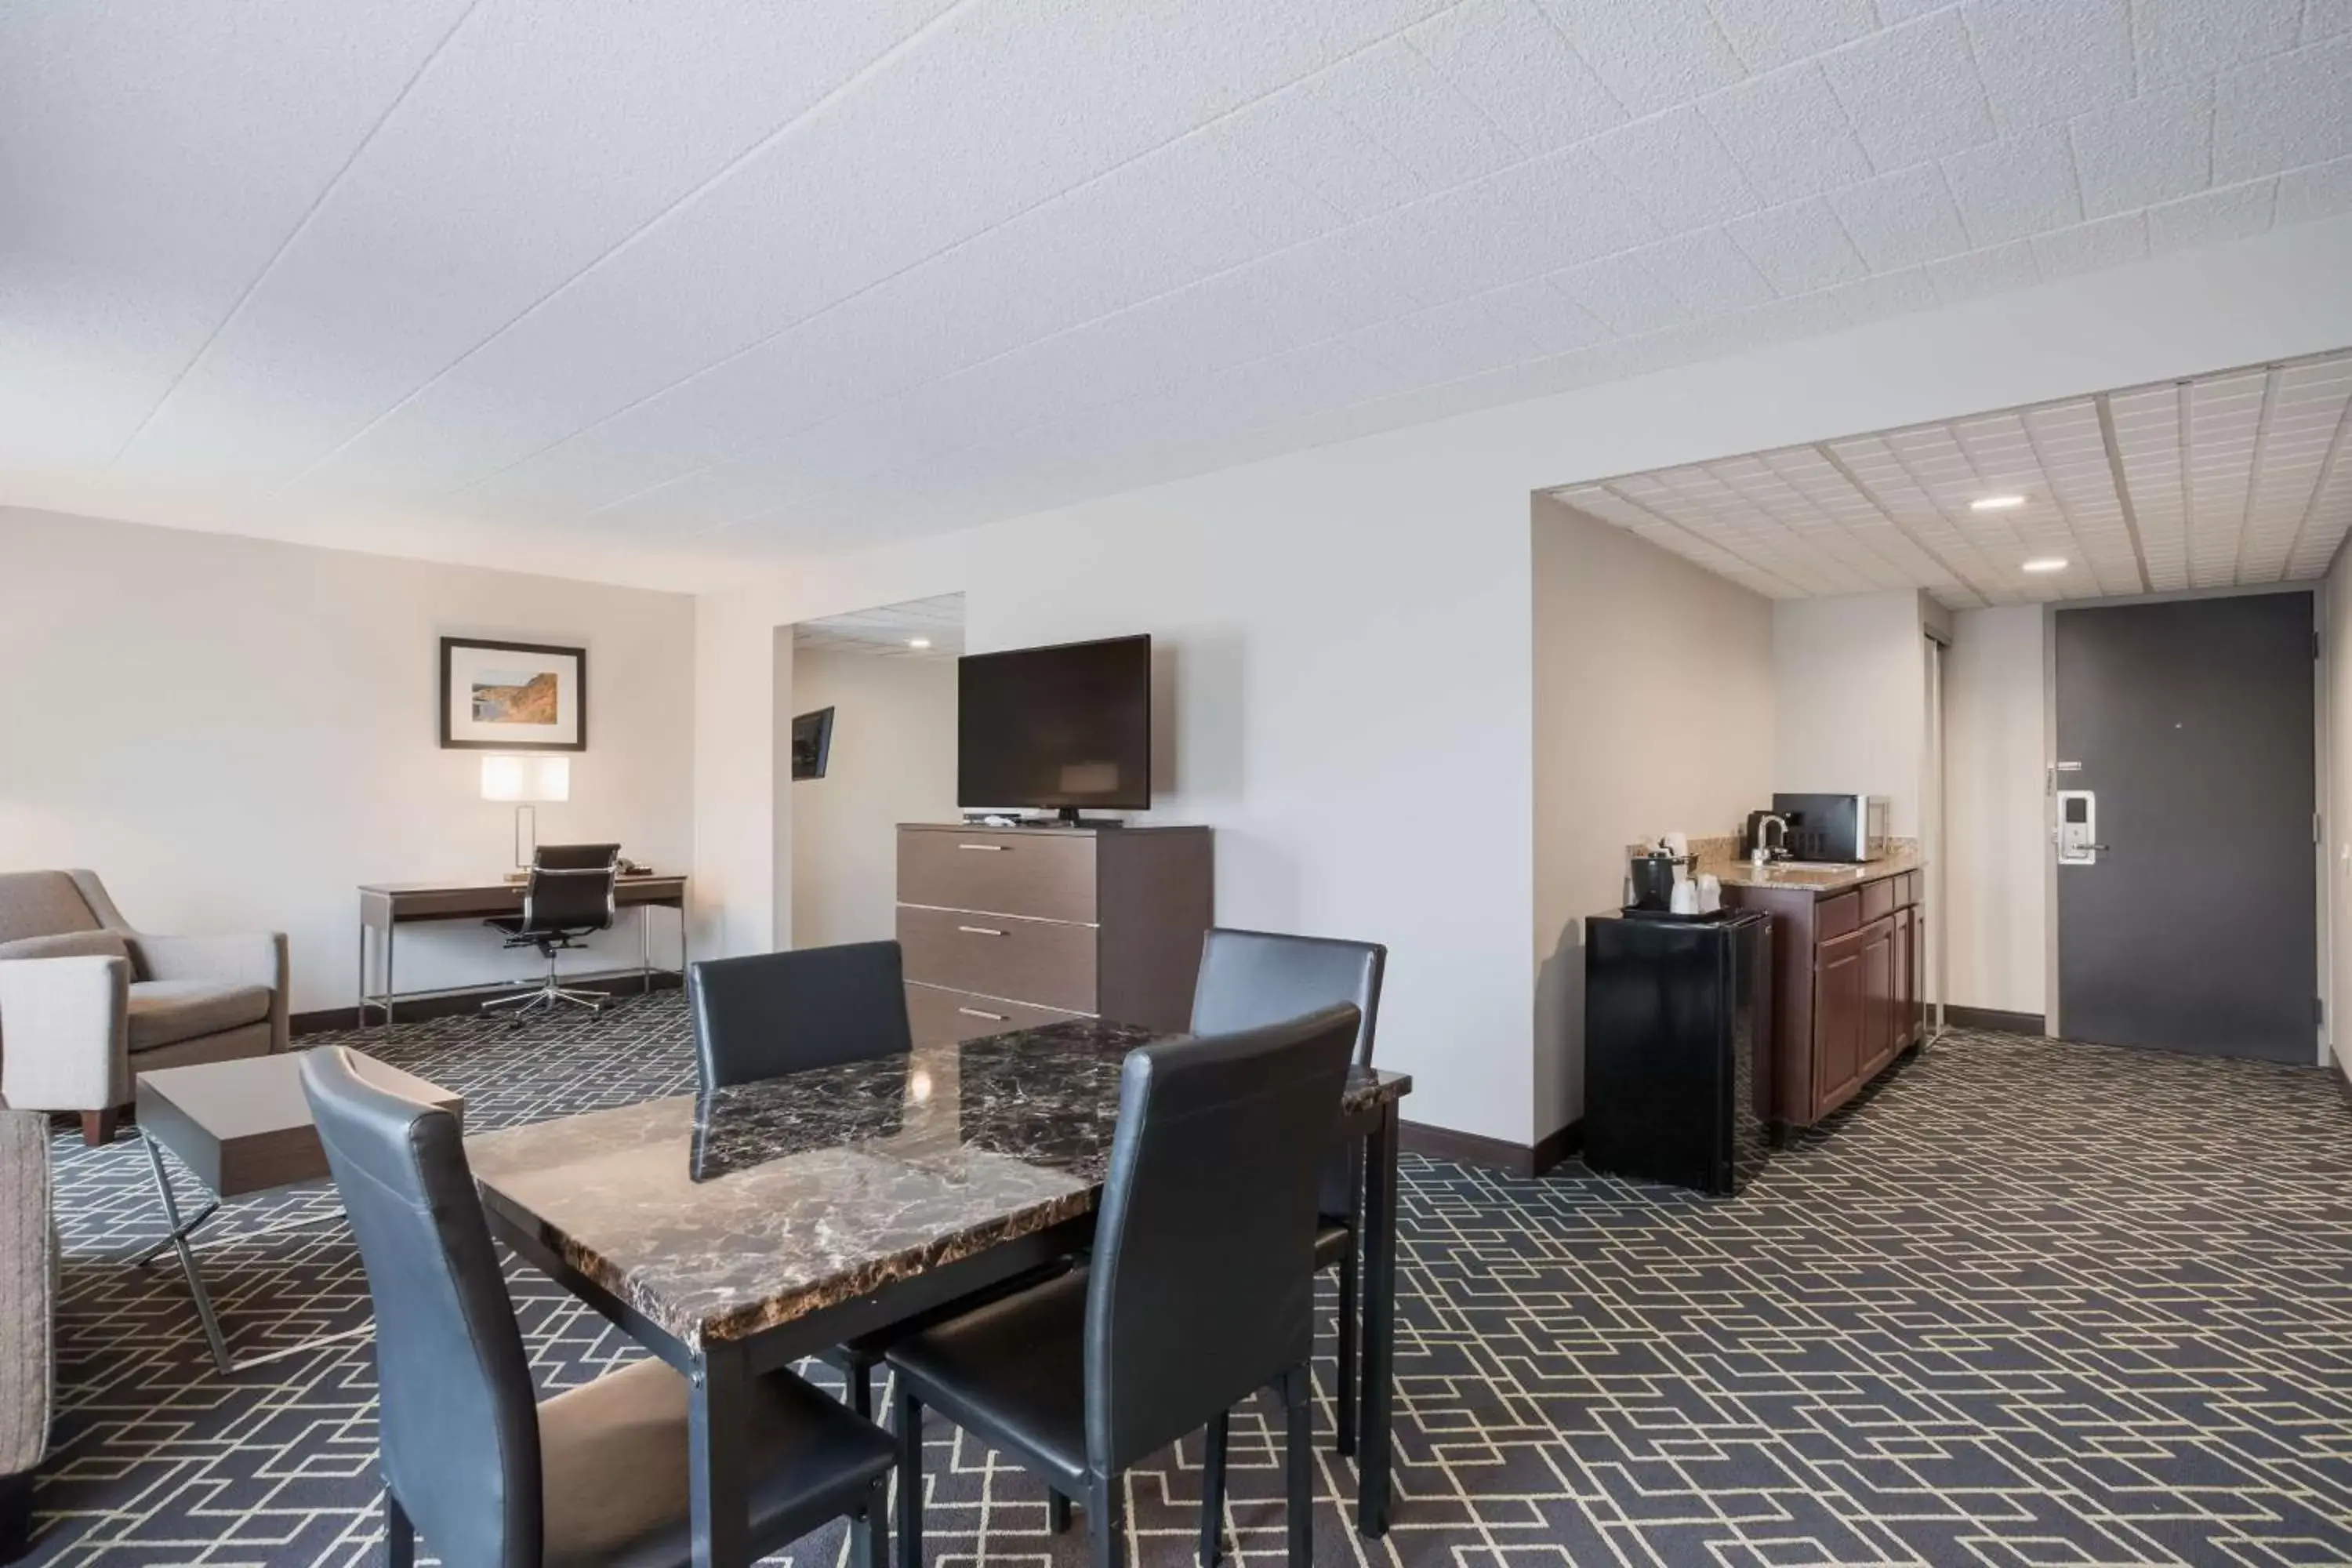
point(511, 778)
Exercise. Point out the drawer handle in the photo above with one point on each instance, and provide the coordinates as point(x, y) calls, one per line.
point(979, 930)
point(991, 848)
point(992, 1017)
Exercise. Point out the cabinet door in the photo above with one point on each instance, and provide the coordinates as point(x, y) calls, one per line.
point(1878, 1016)
point(1838, 1009)
point(1906, 979)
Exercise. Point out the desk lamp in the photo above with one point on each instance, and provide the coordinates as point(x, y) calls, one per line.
point(526, 781)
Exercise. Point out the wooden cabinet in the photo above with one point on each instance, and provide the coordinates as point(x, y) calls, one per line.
point(1007, 927)
point(1845, 989)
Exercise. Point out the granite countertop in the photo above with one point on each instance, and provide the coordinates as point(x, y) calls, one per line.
point(1821, 880)
point(719, 1216)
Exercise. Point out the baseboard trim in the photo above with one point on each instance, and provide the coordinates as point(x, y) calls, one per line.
point(1996, 1020)
point(1490, 1153)
point(449, 1004)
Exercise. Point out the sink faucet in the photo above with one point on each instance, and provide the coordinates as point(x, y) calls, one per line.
point(1759, 852)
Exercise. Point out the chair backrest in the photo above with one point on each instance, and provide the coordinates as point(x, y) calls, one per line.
point(1203, 1282)
point(775, 1012)
point(1253, 977)
point(52, 903)
point(458, 1423)
point(576, 856)
point(570, 888)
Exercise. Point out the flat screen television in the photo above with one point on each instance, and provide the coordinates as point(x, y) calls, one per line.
point(812, 743)
point(1067, 727)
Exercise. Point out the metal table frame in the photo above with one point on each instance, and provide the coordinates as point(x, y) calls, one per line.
point(378, 912)
point(719, 1375)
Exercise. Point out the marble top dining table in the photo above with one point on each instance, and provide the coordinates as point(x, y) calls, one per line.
point(718, 1216)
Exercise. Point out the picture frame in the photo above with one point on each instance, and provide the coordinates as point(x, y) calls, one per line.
point(513, 696)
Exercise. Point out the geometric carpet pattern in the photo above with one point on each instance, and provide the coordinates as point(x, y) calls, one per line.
point(2026, 1302)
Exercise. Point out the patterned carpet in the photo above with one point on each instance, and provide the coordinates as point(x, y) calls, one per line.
point(2026, 1303)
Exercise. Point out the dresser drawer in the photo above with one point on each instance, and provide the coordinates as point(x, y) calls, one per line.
point(1832, 918)
point(1045, 962)
point(1878, 899)
point(1045, 876)
point(938, 1017)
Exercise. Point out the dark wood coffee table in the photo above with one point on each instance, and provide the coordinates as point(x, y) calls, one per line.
point(243, 1126)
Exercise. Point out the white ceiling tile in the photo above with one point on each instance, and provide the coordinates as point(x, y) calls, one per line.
point(2179, 40)
point(1706, 272)
point(2209, 217)
point(2151, 149)
point(2041, 61)
point(2325, 20)
point(1519, 224)
point(1522, 322)
point(2018, 187)
point(1911, 91)
point(1799, 247)
point(1901, 219)
point(1885, 294)
point(2085, 248)
point(1506, 57)
point(1653, 55)
point(1769, 33)
point(2323, 190)
point(1789, 133)
point(2285, 112)
point(1295, 132)
point(1623, 294)
point(1391, 95)
point(1677, 168)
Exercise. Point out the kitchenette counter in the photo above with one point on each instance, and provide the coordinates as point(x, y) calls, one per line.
point(1820, 880)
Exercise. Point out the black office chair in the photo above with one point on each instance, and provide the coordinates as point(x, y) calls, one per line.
point(776, 1013)
point(1254, 977)
point(470, 1455)
point(1201, 1289)
point(569, 895)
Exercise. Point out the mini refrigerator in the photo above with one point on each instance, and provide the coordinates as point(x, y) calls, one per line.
point(1677, 1045)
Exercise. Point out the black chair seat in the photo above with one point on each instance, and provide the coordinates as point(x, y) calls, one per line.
point(614, 1456)
point(1334, 1239)
point(1016, 1369)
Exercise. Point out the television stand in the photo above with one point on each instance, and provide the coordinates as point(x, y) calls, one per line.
point(1067, 817)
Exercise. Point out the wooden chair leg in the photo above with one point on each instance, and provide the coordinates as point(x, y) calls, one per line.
point(99, 1126)
point(907, 1415)
point(1212, 1491)
point(1298, 1447)
point(1106, 1522)
point(399, 1534)
point(1057, 1512)
point(1345, 1443)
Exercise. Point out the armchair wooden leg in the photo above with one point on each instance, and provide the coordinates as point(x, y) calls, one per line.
point(99, 1126)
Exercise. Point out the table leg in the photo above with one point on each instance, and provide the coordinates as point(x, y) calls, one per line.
point(718, 1498)
point(179, 1240)
point(362, 1008)
point(1379, 1283)
point(391, 939)
point(645, 950)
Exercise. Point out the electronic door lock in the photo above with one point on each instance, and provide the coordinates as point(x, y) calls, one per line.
point(2077, 831)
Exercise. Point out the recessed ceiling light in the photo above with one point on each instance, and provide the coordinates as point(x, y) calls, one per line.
point(2046, 564)
point(918, 641)
point(1996, 503)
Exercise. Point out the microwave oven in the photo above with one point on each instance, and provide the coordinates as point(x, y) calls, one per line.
point(1834, 826)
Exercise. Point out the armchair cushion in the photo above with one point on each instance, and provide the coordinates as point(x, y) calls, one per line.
point(165, 1011)
point(37, 904)
point(67, 944)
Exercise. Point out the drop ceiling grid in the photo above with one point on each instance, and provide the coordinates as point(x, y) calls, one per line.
point(528, 273)
point(2236, 477)
point(889, 630)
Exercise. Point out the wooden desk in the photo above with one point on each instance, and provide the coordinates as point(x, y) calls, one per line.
point(385, 907)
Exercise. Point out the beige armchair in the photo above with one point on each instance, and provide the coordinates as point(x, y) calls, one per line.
point(85, 1001)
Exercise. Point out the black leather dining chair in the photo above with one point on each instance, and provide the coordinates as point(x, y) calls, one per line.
point(1253, 977)
point(1200, 1290)
point(569, 893)
point(771, 1013)
point(490, 1473)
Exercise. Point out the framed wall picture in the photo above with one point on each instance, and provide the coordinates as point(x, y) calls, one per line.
point(513, 696)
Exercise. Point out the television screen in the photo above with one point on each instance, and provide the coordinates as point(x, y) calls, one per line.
point(812, 743)
point(1067, 726)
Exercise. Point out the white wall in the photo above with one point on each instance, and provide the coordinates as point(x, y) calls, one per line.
point(1353, 622)
point(893, 761)
point(1851, 674)
point(1653, 713)
point(1996, 813)
point(234, 734)
point(2335, 647)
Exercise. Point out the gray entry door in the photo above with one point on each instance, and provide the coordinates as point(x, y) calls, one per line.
point(2196, 928)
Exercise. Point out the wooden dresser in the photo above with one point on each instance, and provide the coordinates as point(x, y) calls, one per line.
point(1004, 927)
